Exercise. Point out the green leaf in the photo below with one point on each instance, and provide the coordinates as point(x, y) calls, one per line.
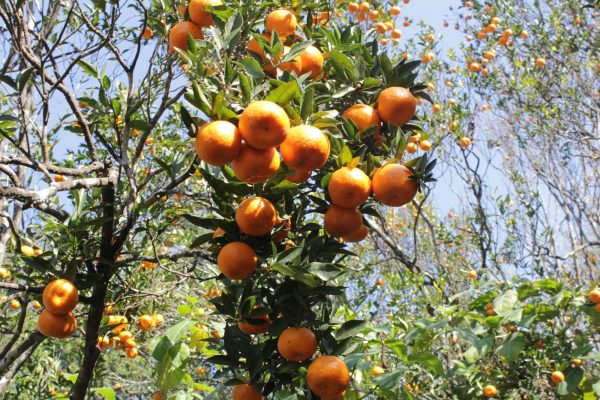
point(429, 360)
point(342, 64)
point(504, 303)
point(390, 380)
point(88, 68)
point(252, 68)
point(284, 93)
point(107, 393)
point(178, 330)
point(307, 104)
point(184, 309)
point(548, 285)
point(24, 78)
point(324, 271)
point(512, 347)
point(349, 329)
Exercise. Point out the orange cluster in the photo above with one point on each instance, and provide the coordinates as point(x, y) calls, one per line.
point(284, 22)
point(121, 338)
point(383, 23)
point(199, 18)
point(60, 297)
point(505, 39)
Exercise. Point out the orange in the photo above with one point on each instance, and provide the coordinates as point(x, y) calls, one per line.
point(352, 7)
point(281, 21)
point(245, 391)
point(392, 186)
point(472, 274)
point(357, 235)
point(312, 61)
point(59, 178)
point(396, 105)
point(199, 15)
point(305, 148)
point(129, 343)
point(396, 34)
point(255, 329)
point(56, 325)
point(465, 142)
point(425, 145)
point(131, 352)
point(364, 116)
point(557, 377)
point(218, 143)
point(297, 344)
point(264, 124)
point(328, 377)
point(125, 335)
point(148, 33)
point(299, 176)
point(395, 10)
point(256, 216)
point(364, 6)
point(339, 221)
point(490, 391)
point(295, 65)
point(540, 62)
point(146, 322)
point(349, 187)
point(412, 148)
point(594, 296)
point(60, 296)
point(377, 370)
point(178, 35)
point(218, 232)
point(255, 166)
point(237, 260)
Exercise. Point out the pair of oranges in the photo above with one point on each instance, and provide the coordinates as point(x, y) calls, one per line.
point(60, 298)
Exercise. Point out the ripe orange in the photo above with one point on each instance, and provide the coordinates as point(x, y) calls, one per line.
point(218, 143)
point(312, 61)
point(349, 187)
point(465, 142)
point(328, 377)
point(396, 34)
point(339, 221)
point(146, 322)
point(299, 176)
point(472, 274)
point(256, 216)
point(178, 35)
point(352, 7)
point(305, 148)
point(264, 124)
point(425, 145)
point(377, 370)
point(148, 33)
point(412, 148)
point(357, 236)
point(392, 185)
point(56, 325)
point(295, 65)
point(60, 296)
point(540, 62)
point(255, 329)
point(59, 178)
point(557, 377)
point(490, 391)
point(199, 15)
point(364, 116)
point(125, 335)
point(364, 6)
point(245, 391)
point(255, 166)
point(396, 105)
point(297, 344)
point(395, 10)
point(594, 296)
point(14, 304)
point(131, 352)
point(281, 21)
point(237, 260)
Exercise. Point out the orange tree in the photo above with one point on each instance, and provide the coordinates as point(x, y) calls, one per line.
point(130, 175)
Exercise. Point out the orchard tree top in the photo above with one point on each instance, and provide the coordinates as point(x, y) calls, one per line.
point(234, 200)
